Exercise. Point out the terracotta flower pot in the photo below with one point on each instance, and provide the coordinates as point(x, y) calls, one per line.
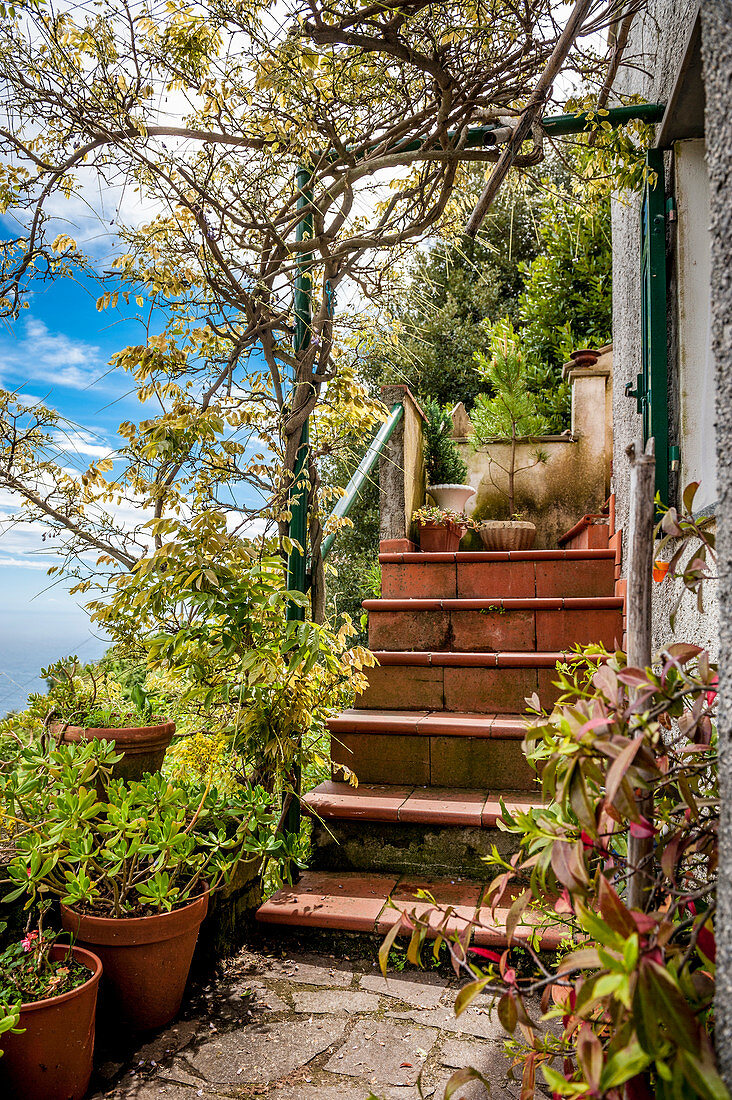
point(507, 534)
point(451, 498)
point(440, 537)
point(144, 747)
point(146, 961)
point(52, 1058)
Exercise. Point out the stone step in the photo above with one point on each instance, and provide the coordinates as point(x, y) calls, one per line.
point(517, 574)
point(490, 625)
point(371, 903)
point(477, 683)
point(426, 830)
point(432, 749)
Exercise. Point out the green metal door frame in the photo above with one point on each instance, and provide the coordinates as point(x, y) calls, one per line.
point(651, 392)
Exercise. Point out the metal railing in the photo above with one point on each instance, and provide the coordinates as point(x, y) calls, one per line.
point(361, 473)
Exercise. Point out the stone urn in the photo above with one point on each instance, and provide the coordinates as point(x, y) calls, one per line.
point(507, 534)
point(451, 498)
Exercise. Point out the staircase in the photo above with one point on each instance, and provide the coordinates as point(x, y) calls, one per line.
point(462, 640)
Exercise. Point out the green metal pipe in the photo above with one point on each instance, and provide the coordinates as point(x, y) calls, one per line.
point(555, 125)
point(559, 125)
point(297, 558)
point(296, 561)
point(362, 471)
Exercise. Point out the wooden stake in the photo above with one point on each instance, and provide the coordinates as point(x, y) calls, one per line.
point(638, 599)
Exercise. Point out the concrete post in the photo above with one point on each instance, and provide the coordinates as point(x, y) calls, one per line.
point(592, 417)
point(717, 56)
point(401, 473)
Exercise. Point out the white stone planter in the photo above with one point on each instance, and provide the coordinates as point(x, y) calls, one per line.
point(452, 498)
point(507, 534)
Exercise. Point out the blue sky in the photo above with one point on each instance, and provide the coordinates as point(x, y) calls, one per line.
point(58, 351)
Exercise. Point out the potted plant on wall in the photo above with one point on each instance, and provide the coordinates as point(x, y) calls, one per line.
point(86, 702)
point(133, 871)
point(48, 996)
point(446, 470)
point(440, 530)
point(509, 415)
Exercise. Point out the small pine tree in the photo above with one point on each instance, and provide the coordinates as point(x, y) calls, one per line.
point(444, 464)
point(511, 413)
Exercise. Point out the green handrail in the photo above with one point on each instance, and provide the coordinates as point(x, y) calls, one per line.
point(362, 471)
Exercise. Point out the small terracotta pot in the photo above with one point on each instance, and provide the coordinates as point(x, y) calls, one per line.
point(584, 357)
point(440, 537)
point(52, 1058)
point(507, 534)
point(144, 747)
point(146, 961)
point(449, 497)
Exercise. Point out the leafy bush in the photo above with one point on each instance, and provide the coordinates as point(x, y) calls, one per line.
point(512, 412)
point(444, 464)
point(27, 973)
point(117, 849)
point(216, 629)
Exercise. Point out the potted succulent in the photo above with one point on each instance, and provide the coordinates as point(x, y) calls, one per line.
point(86, 702)
point(446, 470)
point(509, 415)
point(133, 870)
point(48, 997)
point(440, 530)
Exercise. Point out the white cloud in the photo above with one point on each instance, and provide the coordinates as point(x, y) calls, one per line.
point(51, 357)
point(24, 563)
point(80, 442)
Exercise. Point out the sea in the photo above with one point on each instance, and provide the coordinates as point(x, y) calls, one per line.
point(29, 643)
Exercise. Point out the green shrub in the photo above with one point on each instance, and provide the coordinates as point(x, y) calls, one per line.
point(444, 464)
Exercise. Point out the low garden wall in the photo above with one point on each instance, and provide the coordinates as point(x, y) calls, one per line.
point(574, 481)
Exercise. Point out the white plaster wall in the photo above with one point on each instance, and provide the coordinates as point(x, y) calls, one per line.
point(653, 54)
point(695, 365)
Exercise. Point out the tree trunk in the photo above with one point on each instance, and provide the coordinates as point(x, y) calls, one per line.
point(640, 573)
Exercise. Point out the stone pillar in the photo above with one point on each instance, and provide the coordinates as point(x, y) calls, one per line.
point(716, 18)
point(592, 417)
point(401, 473)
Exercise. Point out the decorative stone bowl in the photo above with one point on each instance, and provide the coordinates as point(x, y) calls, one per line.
point(451, 498)
point(507, 534)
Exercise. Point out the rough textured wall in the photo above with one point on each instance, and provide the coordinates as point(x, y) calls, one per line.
point(574, 481)
point(717, 51)
point(653, 53)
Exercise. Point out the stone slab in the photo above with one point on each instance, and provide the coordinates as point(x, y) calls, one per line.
point(334, 1000)
point(301, 971)
point(262, 1054)
point(423, 992)
point(384, 1053)
point(474, 1021)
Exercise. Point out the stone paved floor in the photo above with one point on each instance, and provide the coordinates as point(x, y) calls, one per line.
point(314, 1027)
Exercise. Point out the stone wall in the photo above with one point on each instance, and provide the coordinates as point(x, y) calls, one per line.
point(573, 482)
point(717, 57)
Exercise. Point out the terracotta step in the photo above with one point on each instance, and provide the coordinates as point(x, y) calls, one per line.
point(433, 749)
point(428, 830)
point(518, 574)
point(477, 683)
point(426, 805)
point(489, 625)
point(426, 723)
point(352, 902)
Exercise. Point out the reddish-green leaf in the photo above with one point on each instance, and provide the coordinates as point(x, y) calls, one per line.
point(613, 910)
point(619, 767)
point(507, 1012)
